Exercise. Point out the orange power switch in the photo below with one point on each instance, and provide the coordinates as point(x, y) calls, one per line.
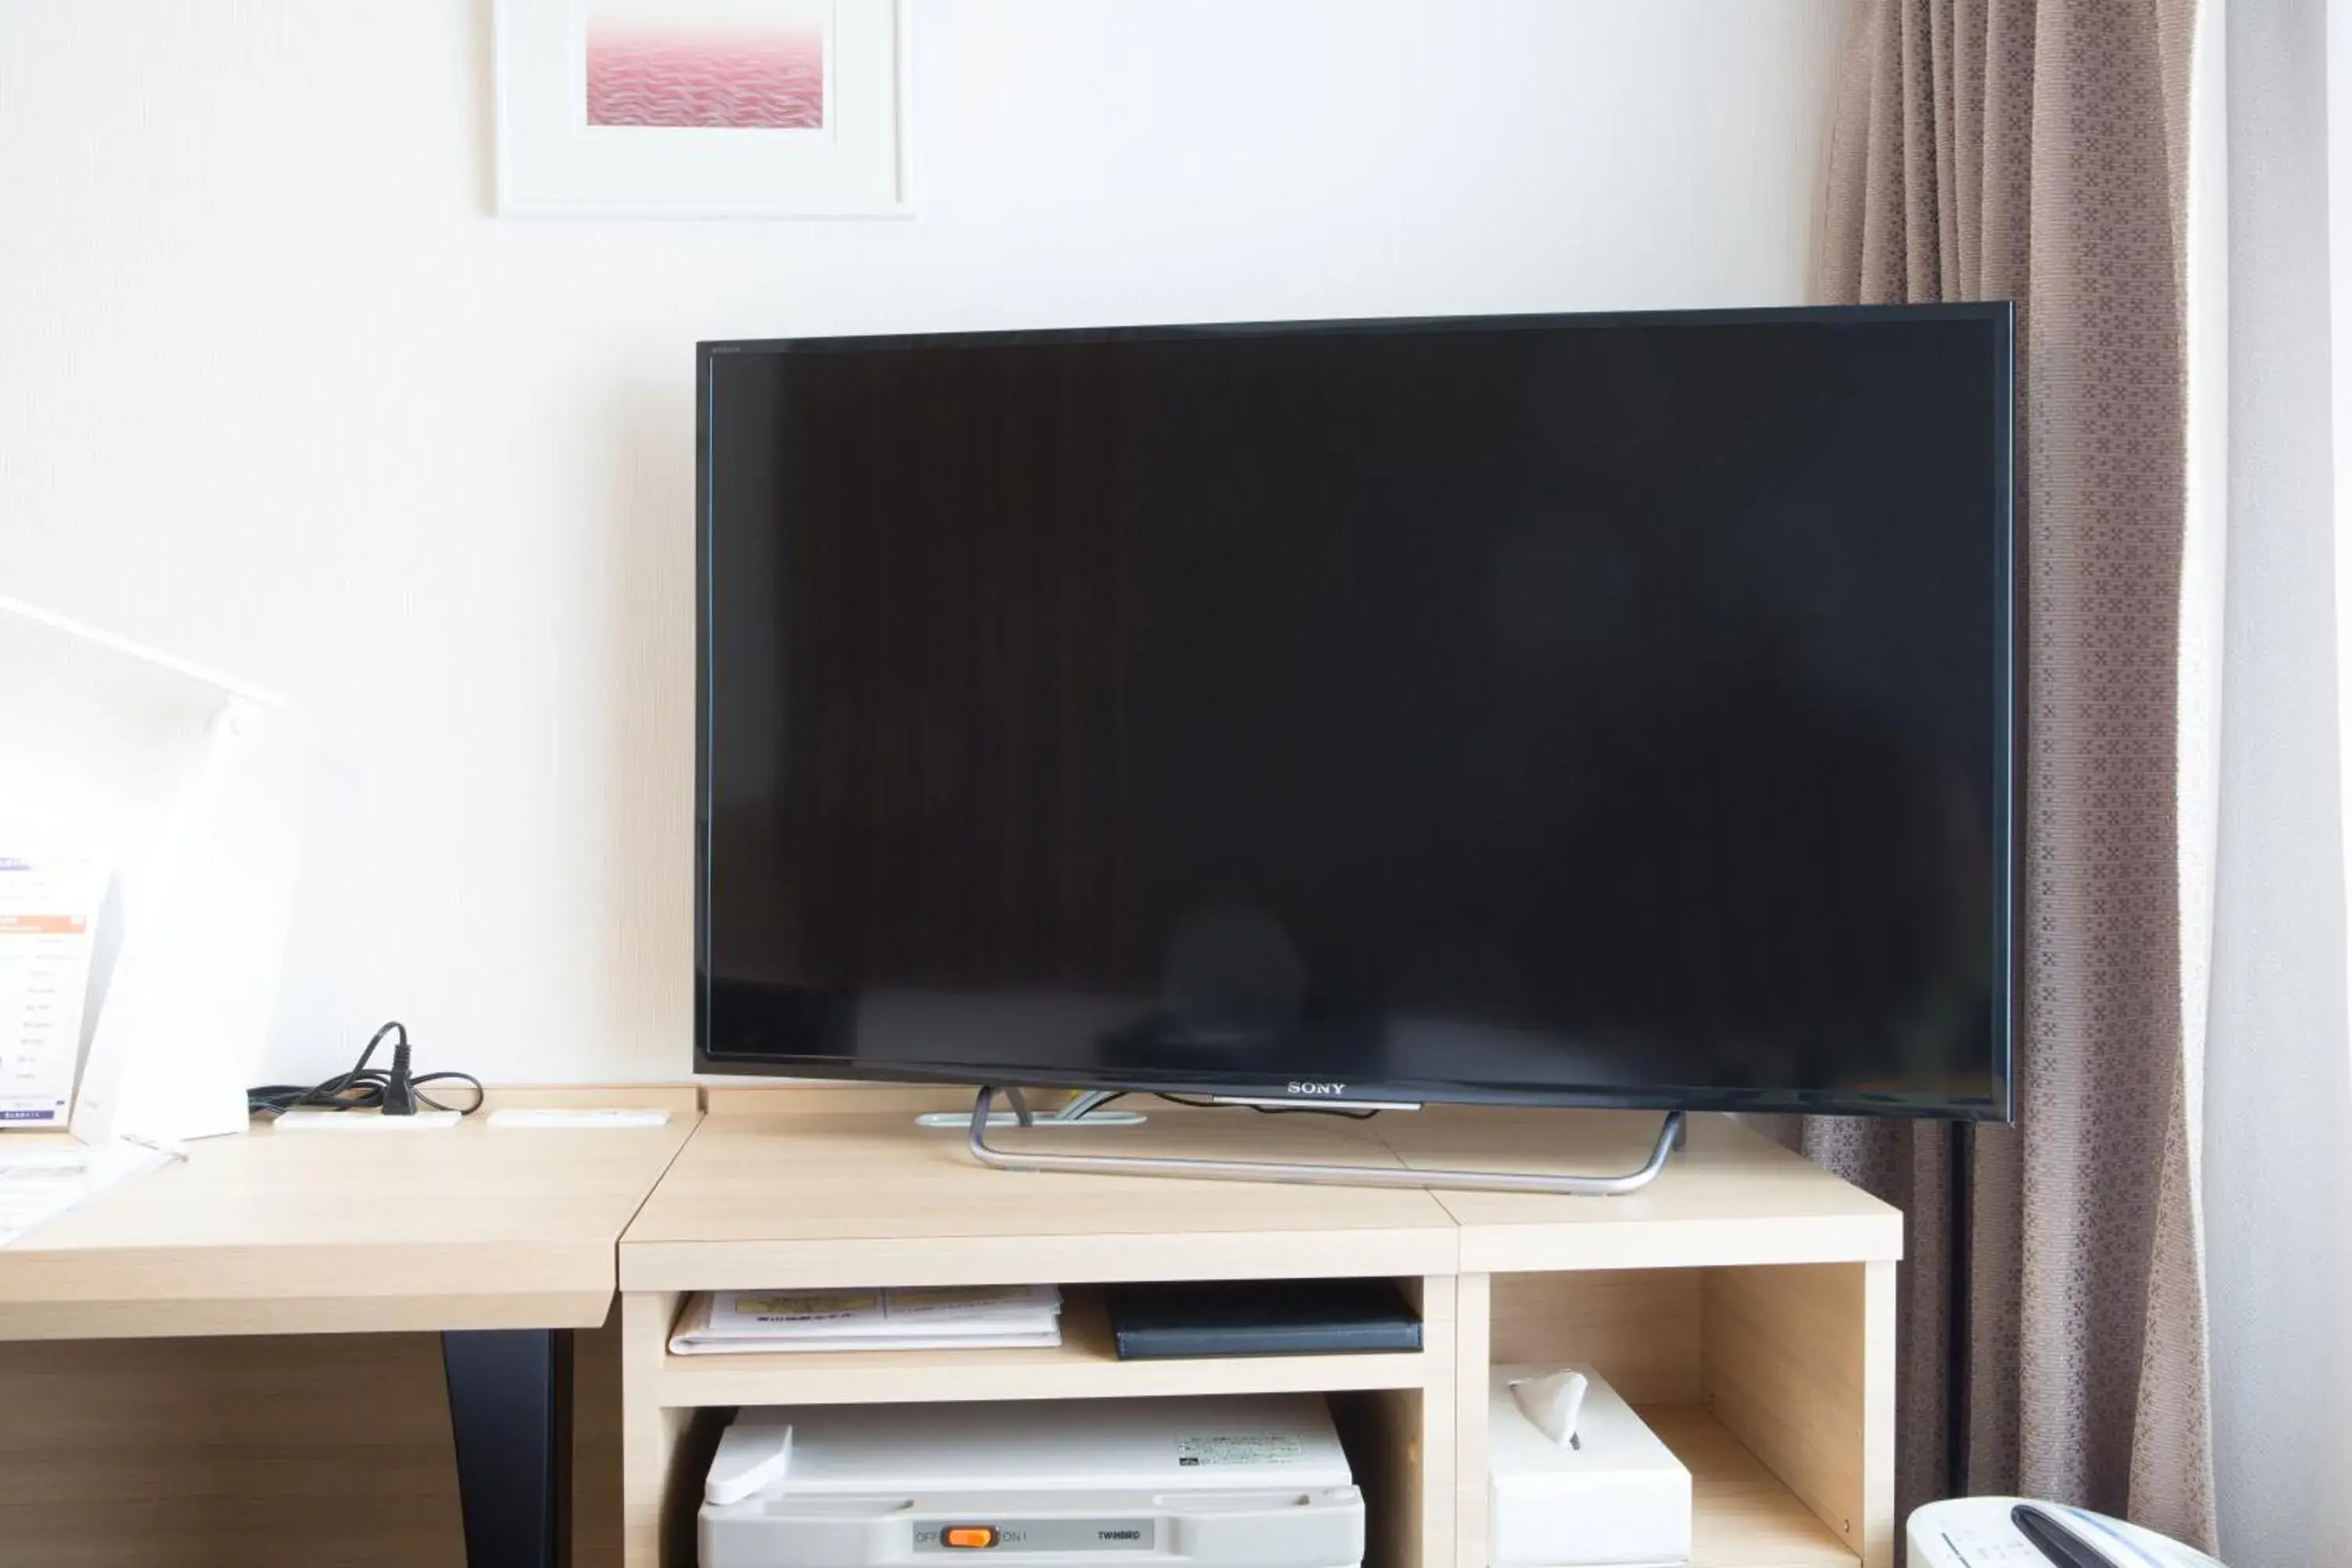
point(969, 1535)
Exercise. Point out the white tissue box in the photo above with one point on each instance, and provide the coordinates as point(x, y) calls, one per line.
point(1618, 1500)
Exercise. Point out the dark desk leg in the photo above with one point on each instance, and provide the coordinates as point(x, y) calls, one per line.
point(510, 1413)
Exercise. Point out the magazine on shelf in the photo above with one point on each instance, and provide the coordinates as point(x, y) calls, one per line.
point(957, 1317)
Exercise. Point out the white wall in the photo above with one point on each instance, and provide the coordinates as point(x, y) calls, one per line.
point(278, 395)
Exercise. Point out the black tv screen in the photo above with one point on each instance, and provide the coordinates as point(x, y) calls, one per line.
point(1569, 710)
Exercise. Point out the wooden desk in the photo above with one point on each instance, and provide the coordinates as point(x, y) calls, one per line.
point(1746, 1299)
point(1727, 1196)
point(869, 1198)
point(323, 1233)
point(500, 1239)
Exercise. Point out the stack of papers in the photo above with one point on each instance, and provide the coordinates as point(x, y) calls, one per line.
point(957, 1317)
point(39, 1183)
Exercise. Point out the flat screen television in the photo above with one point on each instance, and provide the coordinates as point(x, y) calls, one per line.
point(1603, 710)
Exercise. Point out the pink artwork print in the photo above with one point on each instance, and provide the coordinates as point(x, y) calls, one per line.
point(729, 64)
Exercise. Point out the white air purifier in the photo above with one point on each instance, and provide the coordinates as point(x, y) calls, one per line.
point(188, 786)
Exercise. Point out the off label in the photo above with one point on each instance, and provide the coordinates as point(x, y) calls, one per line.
point(1237, 1452)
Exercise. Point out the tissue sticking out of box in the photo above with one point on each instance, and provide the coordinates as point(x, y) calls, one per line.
point(1551, 1401)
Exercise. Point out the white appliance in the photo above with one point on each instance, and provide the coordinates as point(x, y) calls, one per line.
point(1242, 1482)
point(189, 785)
point(2016, 1532)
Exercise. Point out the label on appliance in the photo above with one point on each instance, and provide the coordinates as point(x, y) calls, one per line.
point(1240, 1450)
point(1090, 1536)
point(48, 929)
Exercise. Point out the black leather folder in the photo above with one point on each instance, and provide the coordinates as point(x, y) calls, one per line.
point(1261, 1317)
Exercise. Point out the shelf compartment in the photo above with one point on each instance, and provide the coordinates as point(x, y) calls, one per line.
point(1741, 1514)
point(1085, 1365)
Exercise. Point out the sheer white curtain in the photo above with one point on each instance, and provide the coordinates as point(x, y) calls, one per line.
point(2267, 760)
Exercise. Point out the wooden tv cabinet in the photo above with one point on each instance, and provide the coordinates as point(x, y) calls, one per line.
point(1744, 1300)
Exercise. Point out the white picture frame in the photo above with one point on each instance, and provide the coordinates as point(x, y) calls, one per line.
point(700, 108)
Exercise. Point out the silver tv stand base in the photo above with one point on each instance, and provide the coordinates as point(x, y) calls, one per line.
point(1081, 1108)
point(1669, 1137)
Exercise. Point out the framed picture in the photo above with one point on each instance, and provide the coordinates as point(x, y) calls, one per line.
point(703, 108)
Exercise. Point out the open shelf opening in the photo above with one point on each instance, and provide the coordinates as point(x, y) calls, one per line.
point(1085, 1365)
point(1751, 1375)
point(1380, 1431)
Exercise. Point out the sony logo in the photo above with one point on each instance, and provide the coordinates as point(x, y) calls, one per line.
point(1331, 1088)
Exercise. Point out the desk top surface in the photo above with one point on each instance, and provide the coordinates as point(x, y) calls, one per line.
point(846, 1197)
point(1729, 1195)
point(480, 1226)
point(312, 1232)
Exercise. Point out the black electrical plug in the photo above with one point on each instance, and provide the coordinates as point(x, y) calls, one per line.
point(395, 1090)
point(399, 1087)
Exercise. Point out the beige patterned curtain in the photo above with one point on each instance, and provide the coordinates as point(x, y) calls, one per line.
point(2005, 149)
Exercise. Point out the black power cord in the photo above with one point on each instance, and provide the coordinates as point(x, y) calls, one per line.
point(1270, 1110)
point(394, 1090)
